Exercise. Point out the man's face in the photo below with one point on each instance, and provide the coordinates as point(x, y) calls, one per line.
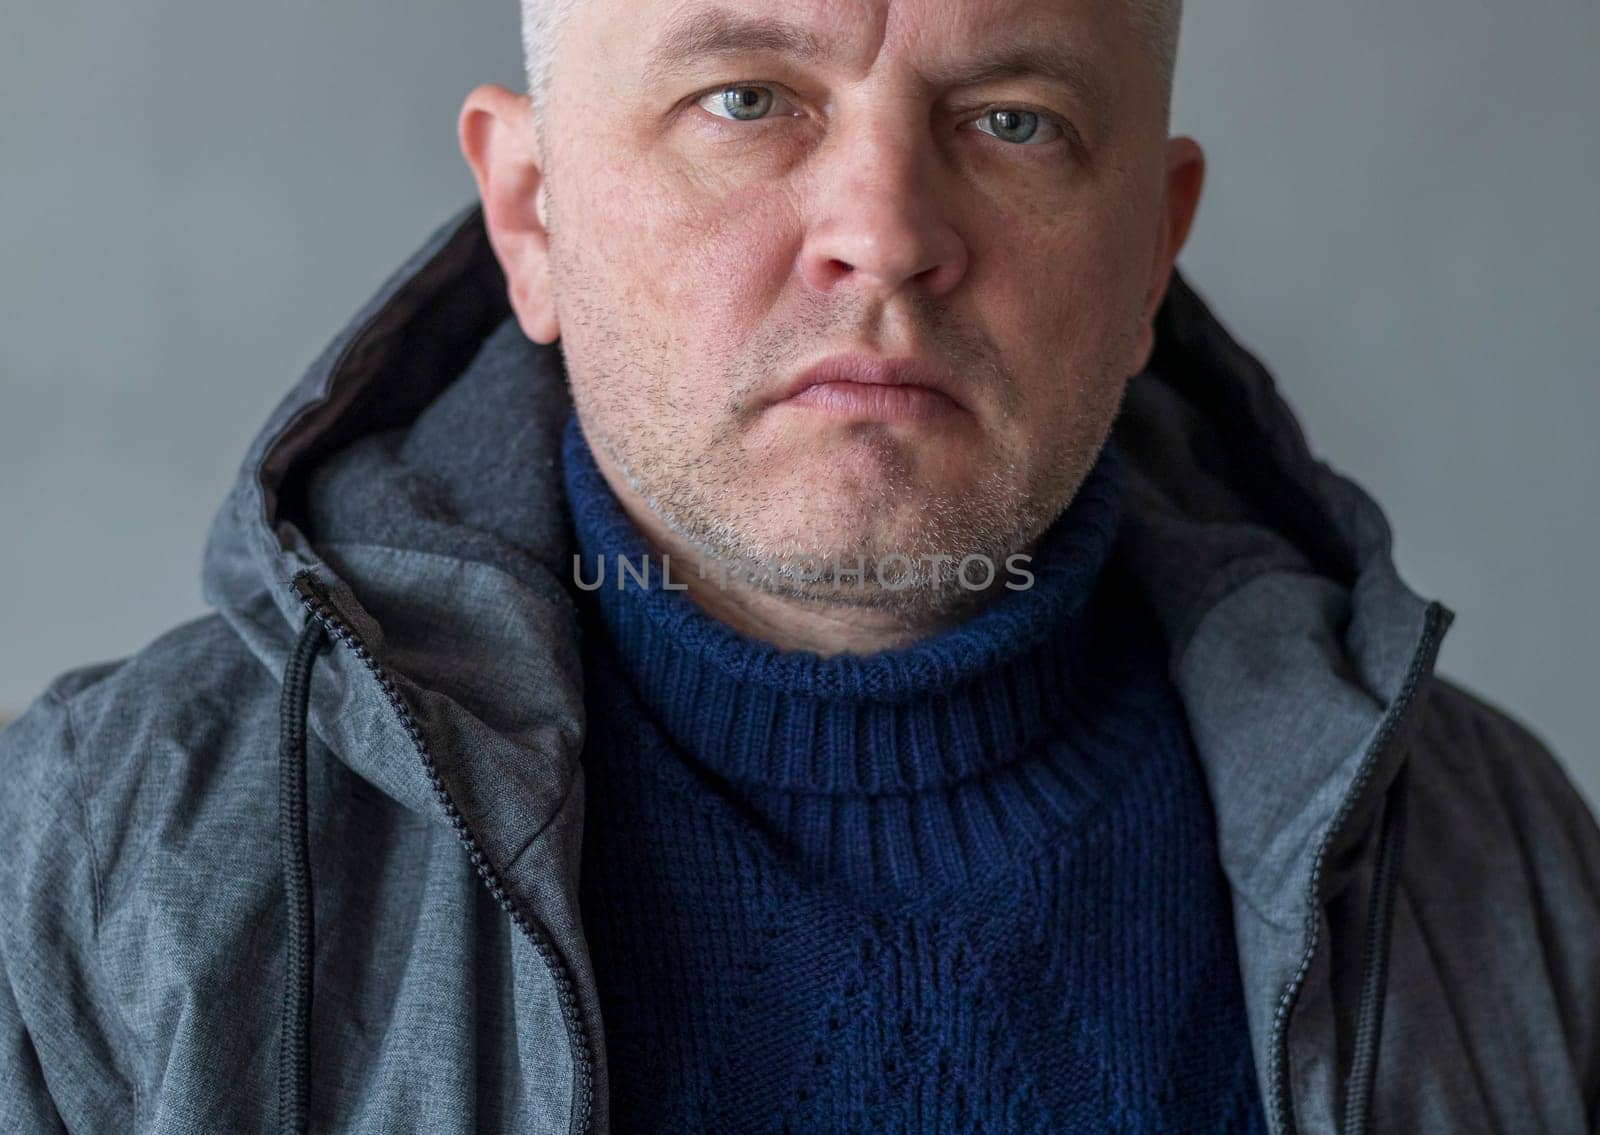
point(727, 208)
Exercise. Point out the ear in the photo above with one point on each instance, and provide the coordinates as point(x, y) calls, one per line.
point(1186, 171)
point(497, 136)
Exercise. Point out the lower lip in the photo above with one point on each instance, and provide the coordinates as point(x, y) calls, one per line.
point(904, 403)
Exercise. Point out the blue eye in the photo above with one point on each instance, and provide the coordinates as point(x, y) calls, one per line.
point(1011, 124)
point(741, 104)
point(751, 102)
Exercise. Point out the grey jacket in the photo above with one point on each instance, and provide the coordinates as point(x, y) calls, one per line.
point(312, 857)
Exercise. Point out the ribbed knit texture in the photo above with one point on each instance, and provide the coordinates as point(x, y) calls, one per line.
point(967, 885)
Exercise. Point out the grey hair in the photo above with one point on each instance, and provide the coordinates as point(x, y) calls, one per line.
point(1159, 21)
point(542, 21)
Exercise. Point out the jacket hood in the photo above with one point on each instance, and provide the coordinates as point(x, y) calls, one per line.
point(414, 493)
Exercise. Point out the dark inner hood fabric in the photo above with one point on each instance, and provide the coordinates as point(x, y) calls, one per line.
point(414, 469)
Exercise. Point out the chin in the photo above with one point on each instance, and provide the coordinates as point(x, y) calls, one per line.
point(845, 527)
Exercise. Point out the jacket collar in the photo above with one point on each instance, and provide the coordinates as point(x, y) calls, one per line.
point(1296, 647)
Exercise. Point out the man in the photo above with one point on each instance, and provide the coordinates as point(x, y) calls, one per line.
point(789, 616)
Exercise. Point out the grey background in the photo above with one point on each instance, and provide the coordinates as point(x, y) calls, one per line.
point(1399, 216)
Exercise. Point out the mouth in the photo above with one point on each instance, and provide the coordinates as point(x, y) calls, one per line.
point(865, 387)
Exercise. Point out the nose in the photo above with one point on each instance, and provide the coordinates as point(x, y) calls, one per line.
point(885, 221)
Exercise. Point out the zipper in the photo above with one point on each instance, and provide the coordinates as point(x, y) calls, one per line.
point(1421, 665)
point(317, 602)
point(1375, 960)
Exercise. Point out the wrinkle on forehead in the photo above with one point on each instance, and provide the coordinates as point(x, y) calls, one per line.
point(853, 34)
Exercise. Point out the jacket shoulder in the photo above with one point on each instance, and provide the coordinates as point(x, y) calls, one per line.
point(1496, 791)
point(1502, 883)
point(115, 749)
point(1498, 763)
point(137, 831)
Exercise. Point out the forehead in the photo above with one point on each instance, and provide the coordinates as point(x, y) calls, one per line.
point(941, 38)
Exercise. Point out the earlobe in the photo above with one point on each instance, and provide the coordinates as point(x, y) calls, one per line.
point(1145, 347)
point(497, 139)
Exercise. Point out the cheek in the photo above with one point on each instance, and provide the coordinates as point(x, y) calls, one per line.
point(698, 262)
point(1060, 304)
point(1065, 295)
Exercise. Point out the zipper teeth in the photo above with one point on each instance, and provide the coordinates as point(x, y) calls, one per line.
point(306, 583)
point(1283, 1113)
point(1375, 959)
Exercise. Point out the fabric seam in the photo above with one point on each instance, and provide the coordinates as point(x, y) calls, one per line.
point(80, 799)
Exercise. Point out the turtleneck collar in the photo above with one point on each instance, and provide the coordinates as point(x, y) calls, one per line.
point(962, 702)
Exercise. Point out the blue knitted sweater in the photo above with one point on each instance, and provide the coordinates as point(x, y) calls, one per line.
point(968, 885)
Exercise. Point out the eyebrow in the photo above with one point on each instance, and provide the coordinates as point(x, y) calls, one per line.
point(717, 32)
point(1064, 67)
